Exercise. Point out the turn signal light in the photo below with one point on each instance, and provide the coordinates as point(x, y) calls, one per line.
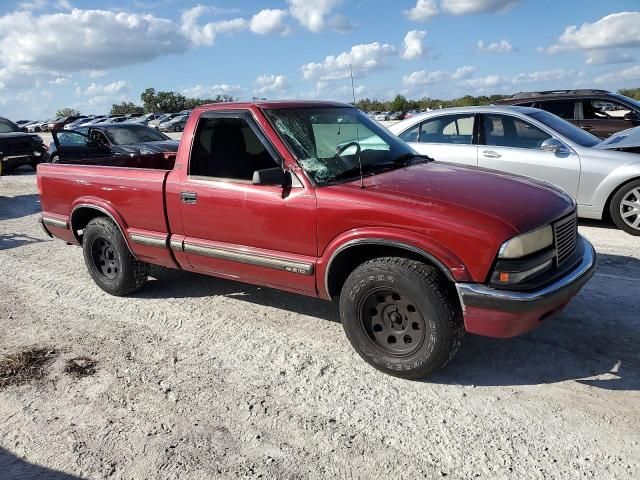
point(504, 276)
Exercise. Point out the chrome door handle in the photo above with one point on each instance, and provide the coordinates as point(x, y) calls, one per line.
point(189, 197)
point(491, 154)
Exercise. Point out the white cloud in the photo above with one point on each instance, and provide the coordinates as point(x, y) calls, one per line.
point(613, 31)
point(607, 57)
point(114, 88)
point(266, 84)
point(413, 44)
point(483, 83)
point(363, 58)
point(211, 91)
point(422, 78)
point(342, 24)
point(424, 11)
point(463, 73)
point(205, 35)
point(632, 73)
point(503, 46)
point(269, 21)
point(466, 7)
point(60, 81)
point(312, 14)
point(542, 76)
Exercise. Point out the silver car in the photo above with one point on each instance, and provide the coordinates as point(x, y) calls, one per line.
point(603, 176)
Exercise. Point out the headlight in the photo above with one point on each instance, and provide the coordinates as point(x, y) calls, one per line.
point(526, 244)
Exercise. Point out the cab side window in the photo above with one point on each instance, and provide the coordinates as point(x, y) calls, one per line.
point(603, 109)
point(563, 109)
point(228, 148)
point(455, 129)
point(506, 131)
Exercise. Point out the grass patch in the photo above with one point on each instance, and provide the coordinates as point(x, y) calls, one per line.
point(80, 367)
point(25, 366)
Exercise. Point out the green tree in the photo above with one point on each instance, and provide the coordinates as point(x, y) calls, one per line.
point(399, 104)
point(125, 108)
point(67, 112)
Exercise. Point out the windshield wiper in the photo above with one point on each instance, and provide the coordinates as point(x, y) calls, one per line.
point(404, 160)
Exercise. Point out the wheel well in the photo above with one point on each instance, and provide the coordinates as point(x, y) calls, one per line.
point(348, 259)
point(81, 218)
point(606, 214)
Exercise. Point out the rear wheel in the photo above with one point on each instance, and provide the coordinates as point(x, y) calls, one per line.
point(109, 261)
point(401, 316)
point(625, 208)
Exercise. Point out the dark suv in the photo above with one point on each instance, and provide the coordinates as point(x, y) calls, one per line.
point(598, 111)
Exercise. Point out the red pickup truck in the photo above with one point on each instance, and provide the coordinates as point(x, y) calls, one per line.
point(316, 198)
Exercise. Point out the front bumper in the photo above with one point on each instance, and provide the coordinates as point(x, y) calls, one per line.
point(504, 313)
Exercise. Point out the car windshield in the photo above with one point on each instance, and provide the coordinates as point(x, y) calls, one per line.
point(566, 129)
point(633, 102)
point(133, 134)
point(7, 126)
point(330, 142)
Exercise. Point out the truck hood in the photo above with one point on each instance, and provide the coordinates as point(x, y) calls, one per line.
point(19, 135)
point(629, 138)
point(520, 203)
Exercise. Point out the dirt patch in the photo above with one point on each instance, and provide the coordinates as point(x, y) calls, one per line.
point(80, 367)
point(25, 366)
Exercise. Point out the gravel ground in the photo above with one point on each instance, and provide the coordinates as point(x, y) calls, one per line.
point(200, 378)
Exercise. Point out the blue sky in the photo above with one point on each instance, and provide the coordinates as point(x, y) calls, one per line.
point(89, 54)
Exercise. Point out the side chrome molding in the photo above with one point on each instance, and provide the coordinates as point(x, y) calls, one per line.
point(267, 261)
point(55, 222)
point(148, 240)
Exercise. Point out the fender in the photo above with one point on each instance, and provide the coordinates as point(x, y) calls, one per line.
point(607, 187)
point(107, 209)
point(431, 249)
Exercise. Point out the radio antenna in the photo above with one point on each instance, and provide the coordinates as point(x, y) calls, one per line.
point(358, 150)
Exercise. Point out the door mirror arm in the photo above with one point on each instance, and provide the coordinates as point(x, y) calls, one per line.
point(271, 176)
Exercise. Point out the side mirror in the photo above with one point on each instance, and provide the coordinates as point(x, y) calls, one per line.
point(552, 145)
point(270, 176)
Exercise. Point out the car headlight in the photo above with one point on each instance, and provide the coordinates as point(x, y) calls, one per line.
point(528, 243)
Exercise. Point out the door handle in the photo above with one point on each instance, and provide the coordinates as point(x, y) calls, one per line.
point(189, 197)
point(491, 154)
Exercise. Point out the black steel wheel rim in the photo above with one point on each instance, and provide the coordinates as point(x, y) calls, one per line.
point(393, 322)
point(105, 258)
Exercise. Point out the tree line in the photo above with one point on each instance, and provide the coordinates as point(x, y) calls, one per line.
point(153, 101)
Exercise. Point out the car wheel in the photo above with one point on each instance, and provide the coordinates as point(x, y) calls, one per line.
point(109, 261)
point(176, 128)
point(401, 316)
point(625, 208)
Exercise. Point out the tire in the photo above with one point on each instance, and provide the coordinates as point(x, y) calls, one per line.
point(176, 128)
point(109, 261)
point(401, 317)
point(625, 208)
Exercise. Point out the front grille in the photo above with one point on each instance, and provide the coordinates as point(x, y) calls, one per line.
point(17, 148)
point(566, 237)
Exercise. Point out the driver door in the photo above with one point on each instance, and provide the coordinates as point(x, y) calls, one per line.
point(72, 146)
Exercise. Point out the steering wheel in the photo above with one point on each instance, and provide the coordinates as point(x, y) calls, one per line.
point(341, 150)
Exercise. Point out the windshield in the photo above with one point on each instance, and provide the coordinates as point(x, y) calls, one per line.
point(566, 129)
point(624, 98)
point(133, 134)
point(7, 126)
point(329, 141)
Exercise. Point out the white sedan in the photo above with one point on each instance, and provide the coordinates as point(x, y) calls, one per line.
point(603, 176)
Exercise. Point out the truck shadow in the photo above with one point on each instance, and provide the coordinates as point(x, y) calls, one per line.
point(15, 468)
point(179, 284)
point(19, 206)
point(604, 224)
point(594, 341)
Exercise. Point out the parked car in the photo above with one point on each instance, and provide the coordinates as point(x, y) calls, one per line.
point(94, 121)
point(109, 140)
point(382, 116)
point(37, 127)
point(414, 252)
point(396, 116)
point(598, 111)
point(176, 124)
point(603, 176)
point(60, 122)
point(163, 118)
point(76, 123)
point(18, 148)
point(144, 119)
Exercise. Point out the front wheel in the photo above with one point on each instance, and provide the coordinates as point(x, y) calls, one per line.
point(625, 208)
point(401, 316)
point(108, 259)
